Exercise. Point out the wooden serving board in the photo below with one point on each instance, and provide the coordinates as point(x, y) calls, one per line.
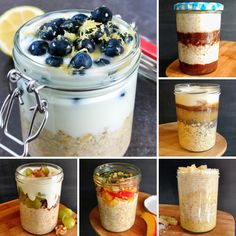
point(226, 63)
point(139, 228)
point(169, 143)
point(10, 221)
point(225, 223)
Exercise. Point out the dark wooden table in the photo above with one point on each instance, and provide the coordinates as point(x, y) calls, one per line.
point(143, 13)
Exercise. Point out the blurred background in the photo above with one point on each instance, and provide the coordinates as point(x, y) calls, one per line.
point(167, 30)
point(8, 190)
point(227, 108)
point(88, 199)
point(143, 13)
point(168, 191)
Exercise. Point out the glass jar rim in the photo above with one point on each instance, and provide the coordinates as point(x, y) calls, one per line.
point(58, 177)
point(201, 88)
point(133, 53)
point(107, 166)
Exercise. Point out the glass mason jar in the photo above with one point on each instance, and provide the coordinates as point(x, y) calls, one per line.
point(198, 194)
point(197, 112)
point(198, 32)
point(89, 114)
point(39, 197)
point(117, 187)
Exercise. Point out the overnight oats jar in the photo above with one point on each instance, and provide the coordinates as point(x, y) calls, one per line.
point(198, 194)
point(39, 189)
point(198, 33)
point(85, 65)
point(117, 187)
point(197, 112)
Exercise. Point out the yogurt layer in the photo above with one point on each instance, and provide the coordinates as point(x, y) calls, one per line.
point(193, 55)
point(196, 96)
point(49, 188)
point(198, 22)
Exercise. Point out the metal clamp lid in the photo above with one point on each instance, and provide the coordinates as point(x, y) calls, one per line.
point(41, 106)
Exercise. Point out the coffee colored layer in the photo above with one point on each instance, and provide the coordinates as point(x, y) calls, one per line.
point(198, 69)
point(199, 39)
point(203, 107)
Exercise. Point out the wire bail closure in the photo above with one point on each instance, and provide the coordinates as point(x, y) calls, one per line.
point(41, 106)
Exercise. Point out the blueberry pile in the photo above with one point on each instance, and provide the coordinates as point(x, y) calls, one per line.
point(78, 37)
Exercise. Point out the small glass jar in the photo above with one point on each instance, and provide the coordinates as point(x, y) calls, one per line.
point(117, 201)
point(198, 194)
point(198, 32)
point(197, 112)
point(39, 197)
point(89, 114)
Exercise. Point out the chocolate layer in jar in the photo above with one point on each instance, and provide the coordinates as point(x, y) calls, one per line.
point(201, 43)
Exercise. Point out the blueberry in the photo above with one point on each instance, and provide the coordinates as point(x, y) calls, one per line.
point(81, 60)
point(76, 100)
point(70, 26)
point(80, 18)
point(54, 61)
point(60, 46)
point(112, 48)
point(49, 31)
point(38, 48)
point(96, 37)
point(128, 38)
point(101, 62)
point(58, 21)
point(85, 43)
point(101, 14)
point(122, 94)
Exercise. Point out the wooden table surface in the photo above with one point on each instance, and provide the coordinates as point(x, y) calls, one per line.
point(139, 228)
point(226, 63)
point(225, 223)
point(169, 143)
point(10, 221)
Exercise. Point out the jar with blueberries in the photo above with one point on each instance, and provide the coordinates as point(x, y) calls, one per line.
point(76, 74)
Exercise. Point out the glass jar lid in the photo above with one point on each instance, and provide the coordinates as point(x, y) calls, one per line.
point(198, 6)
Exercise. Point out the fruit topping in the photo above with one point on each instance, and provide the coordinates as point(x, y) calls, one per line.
point(102, 62)
point(82, 60)
point(60, 46)
point(68, 222)
point(71, 26)
point(85, 43)
point(28, 172)
point(38, 48)
point(101, 14)
point(80, 18)
point(49, 31)
point(58, 21)
point(112, 48)
point(54, 61)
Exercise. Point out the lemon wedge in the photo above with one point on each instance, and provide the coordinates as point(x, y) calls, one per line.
point(11, 21)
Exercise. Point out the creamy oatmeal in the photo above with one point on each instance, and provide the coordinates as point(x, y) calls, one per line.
point(39, 188)
point(117, 195)
point(197, 112)
point(198, 193)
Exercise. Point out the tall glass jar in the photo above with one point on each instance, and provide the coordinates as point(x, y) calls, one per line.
point(198, 32)
point(89, 114)
point(39, 188)
point(117, 187)
point(197, 112)
point(198, 194)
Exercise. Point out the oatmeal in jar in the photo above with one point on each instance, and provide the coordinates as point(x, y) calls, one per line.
point(117, 186)
point(198, 194)
point(197, 112)
point(39, 188)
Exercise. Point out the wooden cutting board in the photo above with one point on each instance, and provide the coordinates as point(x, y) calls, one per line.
point(10, 221)
point(225, 223)
point(139, 228)
point(226, 63)
point(169, 143)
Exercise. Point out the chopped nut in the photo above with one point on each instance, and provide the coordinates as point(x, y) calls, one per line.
point(60, 230)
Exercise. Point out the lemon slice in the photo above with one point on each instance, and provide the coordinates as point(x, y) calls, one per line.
point(11, 21)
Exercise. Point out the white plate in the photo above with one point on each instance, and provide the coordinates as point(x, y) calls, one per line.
point(151, 204)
